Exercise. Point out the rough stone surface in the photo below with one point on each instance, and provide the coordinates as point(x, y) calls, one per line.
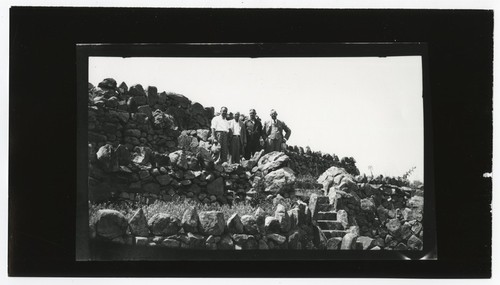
point(249, 224)
point(366, 242)
point(164, 179)
point(110, 224)
point(234, 224)
point(171, 243)
point(139, 224)
point(348, 241)
point(216, 187)
point(273, 161)
point(212, 223)
point(279, 180)
point(272, 225)
point(226, 243)
point(163, 224)
point(415, 243)
point(107, 158)
point(190, 220)
point(279, 239)
point(333, 243)
point(245, 241)
point(282, 216)
point(394, 226)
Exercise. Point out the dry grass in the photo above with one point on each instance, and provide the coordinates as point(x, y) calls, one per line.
point(178, 207)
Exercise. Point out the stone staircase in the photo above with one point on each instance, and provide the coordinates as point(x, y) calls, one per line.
point(325, 216)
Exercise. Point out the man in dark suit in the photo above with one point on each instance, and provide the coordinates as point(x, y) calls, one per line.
point(253, 128)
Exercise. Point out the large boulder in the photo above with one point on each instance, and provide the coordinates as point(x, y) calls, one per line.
point(187, 142)
point(203, 134)
point(107, 83)
point(152, 94)
point(333, 243)
point(234, 224)
point(272, 225)
point(367, 205)
point(348, 241)
point(282, 216)
point(246, 241)
point(212, 223)
point(216, 187)
point(163, 224)
point(319, 238)
point(162, 120)
point(123, 154)
point(110, 224)
point(226, 243)
point(338, 177)
point(139, 224)
point(414, 243)
point(280, 180)
point(136, 90)
point(146, 110)
point(107, 158)
point(190, 220)
point(365, 242)
point(273, 161)
point(250, 224)
point(179, 100)
point(394, 226)
point(184, 160)
point(164, 179)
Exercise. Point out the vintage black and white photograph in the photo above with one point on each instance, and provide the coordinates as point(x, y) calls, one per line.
point(270, 143)
point(240, 153)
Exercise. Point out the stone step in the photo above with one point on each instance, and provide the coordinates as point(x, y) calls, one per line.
point(329, 215)
point(325, 207)
point(330, 225)
point(334, 233)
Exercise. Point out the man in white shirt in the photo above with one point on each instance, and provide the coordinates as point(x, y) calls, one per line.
point(220, 130)
point(238, 140)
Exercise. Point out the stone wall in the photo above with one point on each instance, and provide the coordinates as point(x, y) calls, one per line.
point(388, 215)
point(287, 229)
point(302, 226)
point(149, 145)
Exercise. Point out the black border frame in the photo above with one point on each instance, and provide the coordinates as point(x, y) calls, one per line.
point(42, 117)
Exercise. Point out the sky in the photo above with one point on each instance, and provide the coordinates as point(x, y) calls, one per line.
point(368, 108)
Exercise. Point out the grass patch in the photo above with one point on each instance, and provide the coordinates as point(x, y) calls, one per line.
point(178, 207)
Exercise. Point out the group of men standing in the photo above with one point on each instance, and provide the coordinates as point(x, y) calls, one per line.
point(242, 136)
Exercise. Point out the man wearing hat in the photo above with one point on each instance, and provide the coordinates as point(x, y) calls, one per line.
point(273, 131)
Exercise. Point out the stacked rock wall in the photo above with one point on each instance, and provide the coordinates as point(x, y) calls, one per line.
point(145, 145)
point(286, 229)
point(137, 117)
point(388, 214)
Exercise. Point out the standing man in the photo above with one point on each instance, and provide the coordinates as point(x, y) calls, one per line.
point(273, 131)
point(254, 133)
point(238, 140)
point(220, 132)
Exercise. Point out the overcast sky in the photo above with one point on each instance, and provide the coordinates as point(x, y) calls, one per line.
point(368, 108)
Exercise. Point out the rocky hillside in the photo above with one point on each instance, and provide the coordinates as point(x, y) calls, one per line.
point(158, 145)
point(146, 146)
